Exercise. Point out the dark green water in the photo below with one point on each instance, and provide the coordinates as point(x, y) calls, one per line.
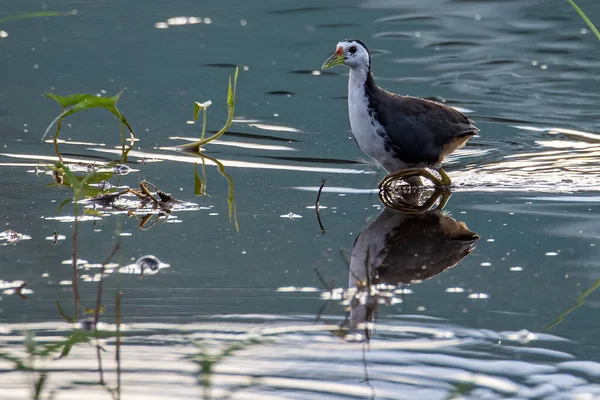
point(526, 72)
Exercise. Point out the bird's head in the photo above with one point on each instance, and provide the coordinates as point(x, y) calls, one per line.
point(350, 52)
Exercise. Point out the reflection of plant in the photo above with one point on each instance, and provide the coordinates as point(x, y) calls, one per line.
point(36, 351)
point(207, 360)
point(200, 186)
point(460, 390)
point(81, 101)
point(195, 147)
point(80, 186)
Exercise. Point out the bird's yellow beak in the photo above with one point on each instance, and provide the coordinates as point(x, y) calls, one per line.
point(336, 59)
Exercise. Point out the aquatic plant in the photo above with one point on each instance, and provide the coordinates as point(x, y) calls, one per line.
point(585, 18)
point(231, 89)
point(40, 14)
point(81, 187)
point(207, 360)
point(580, 302)
point(77, 102)
point(35, 350)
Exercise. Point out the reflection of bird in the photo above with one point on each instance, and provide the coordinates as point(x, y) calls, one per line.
point(404, 134)
point(398, 248)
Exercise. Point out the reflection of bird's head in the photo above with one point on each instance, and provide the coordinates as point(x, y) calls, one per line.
point(350, 52)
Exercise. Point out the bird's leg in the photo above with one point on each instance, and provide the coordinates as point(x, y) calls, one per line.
point(410, 172)
point(446, 181)
point(445, 196)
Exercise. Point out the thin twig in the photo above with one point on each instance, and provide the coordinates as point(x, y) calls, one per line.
point(116, 248)
point(118, 344)
point(367, 380)
point(323, 282)
point(323, 232)
point(74, 264)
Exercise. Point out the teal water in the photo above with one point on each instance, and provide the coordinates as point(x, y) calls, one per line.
point(514, 316)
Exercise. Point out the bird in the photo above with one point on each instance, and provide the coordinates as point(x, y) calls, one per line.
point(406, 135)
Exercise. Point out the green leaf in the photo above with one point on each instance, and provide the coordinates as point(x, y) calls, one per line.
point(64, 202)
point(82, 101)
point(229, 94)
point(95, 213)
point(70, 179)
point(62, 313)
point(69, 100)
point(66, 350)
point(40, 14)
point(200, 106)
point(95, 177)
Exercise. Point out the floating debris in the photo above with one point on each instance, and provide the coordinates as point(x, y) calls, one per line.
point(15, 287)
point(87, 325)
point(148, 204)
point(146, 265)
point(55, 238)
point(291, 216)
point(11, 237)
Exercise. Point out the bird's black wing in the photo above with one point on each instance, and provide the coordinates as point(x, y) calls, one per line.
point(418, 129)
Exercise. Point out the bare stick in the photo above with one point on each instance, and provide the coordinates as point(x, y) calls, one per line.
point(323, 232)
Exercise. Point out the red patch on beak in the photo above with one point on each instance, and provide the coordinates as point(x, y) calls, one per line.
point(339, 51)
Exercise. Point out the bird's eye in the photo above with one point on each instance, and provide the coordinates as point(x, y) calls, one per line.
point(352, 49)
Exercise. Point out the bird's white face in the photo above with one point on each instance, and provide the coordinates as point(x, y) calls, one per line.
point(350, 53)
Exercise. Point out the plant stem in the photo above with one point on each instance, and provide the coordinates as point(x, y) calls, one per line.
point(585, 18)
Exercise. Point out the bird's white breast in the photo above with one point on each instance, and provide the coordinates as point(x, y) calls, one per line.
point(364, 127)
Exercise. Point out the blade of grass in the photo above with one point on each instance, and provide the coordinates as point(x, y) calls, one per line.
point(580, 302)
point(585, 18)
point(40, 14)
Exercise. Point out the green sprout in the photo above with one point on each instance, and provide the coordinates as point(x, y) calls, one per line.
point(203, 106)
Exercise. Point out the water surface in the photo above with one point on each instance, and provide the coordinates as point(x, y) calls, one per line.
point(526, 72)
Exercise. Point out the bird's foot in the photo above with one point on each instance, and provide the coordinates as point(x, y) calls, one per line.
point(417, 201)
point(404, 174)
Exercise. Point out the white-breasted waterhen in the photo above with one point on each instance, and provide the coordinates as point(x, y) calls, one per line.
point(404, 134)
